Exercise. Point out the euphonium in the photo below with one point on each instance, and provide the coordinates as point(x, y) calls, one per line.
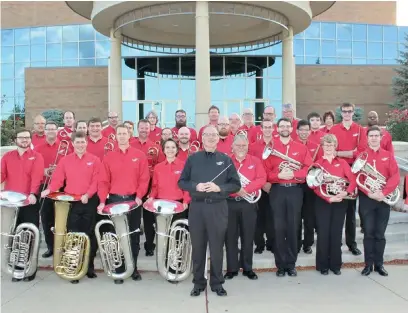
point(370, 180)
point(21, 243)
point(287, 163)
point(115, 248)
point(71, 249)
point(252, 197)
point(329, 185)
point(173, 242)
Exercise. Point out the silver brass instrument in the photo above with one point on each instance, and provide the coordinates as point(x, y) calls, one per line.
point(21, 244)
point(193, 148)
point(115, 248)
point(173, 242)
point(252, 197)
point(287, 162)
point(242, 132)
point(370, 180)
point(329, 185)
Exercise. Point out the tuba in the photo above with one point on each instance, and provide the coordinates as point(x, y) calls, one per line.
point(71, 250)
point(252, 197)
point(173, 242)
point(193, 148)
point(21, 243)
point(115, 248)
point(370, 180)
point(329, 185)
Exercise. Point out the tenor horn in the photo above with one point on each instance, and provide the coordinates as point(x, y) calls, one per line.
point(21, 243)
point(370, 180)
point(115, 248)
point(71, 249)
point(252, 197)
point(287, 162)
point(173, 242)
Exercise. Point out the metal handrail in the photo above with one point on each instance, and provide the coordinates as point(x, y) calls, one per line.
point(402, 163)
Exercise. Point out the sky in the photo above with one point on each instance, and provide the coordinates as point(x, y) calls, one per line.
point(402, 12)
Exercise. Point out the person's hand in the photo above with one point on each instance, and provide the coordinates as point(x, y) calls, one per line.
point(335, 199)
point(242, 192)
point(100, 207)
point(286, 175)
point(185, 206)
point(32, 199)
point(201, 187)
point(48, 171)
point(267, 187)
point(211, 187)
point(84, 199)
point(379, 196)
point(138, 201)
point(342, 194)
point(45, 193)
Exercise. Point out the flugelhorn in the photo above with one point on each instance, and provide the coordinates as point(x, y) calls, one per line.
point(173, 242)
point(252, 197)
point(115, 248)
point(328, 184)
point(21, 243)
point(370, 180)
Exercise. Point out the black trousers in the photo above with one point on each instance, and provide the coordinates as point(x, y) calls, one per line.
point(241, 223)
point(149, 220)
point(81, 218)
point(286, 206)
point(264, 222)
point(308, 217)
point(351, 224)
point(376, 215)
point(330, 221)
point(208, 224)
point(48, 220)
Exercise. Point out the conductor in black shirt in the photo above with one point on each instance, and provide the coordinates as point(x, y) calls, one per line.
point(209, 176)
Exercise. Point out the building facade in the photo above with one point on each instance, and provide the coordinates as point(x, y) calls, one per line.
point(52, 58)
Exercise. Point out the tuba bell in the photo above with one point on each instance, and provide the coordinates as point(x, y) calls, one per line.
point(115, 248)
point(252, 197)
point(71, 249)
point(152, 157)
point(370, 180)
point(173, 242)
point(21, 243)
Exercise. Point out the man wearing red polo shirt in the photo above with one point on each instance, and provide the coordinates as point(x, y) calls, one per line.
point(213, 115)
point(248, 119)
point(316, 134)
point(386, 138)
point(181, 121)
point(38, 136)
point(69, 122)
point(255, 133)
point(97, 143)
point(225, 143)
point(113, 120)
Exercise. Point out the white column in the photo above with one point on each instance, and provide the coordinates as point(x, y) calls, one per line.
point(115, 74)
point(202, 67)
point(288, 69)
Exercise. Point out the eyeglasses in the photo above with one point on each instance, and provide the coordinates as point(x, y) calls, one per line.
point(269, 114)
point(223, 124)
point(210, 135)
point(50, 130)
point(112, 117)
point(247, 114)
point(24, 138)
point(347, 111)
point(180, 116)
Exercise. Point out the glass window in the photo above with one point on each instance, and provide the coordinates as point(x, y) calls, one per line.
point(37, 64)
point(22, 53)
point(359, 49)
point(390, 50)
point(328, 48)
point(390, 33)
point(70, 33)
point(312, 60)
point(359, 61)
point(312, 47)
point(19, 104)
point(22, 36)
point(372, 61)
point(70, 50)
point(375, 33)
point(127, 72)
point(402, 33)
point(299, 59)
point(102, 62)
point(7, 71)
point(86, 32)
point(86, 62)
point(7, 54)
point(276, 69)
point(374, 50)
point(343, 61)
point(19, 69)
point(7, 37)
point(102, 49)
point(37, 35)
point(99, 36)
point(19, 84)
point(344, 31)
point(313, 31)
point(344, 49)
point(299, 47)
point(235, 88)
point(328, 61)
point(87, 49)
point(54, 34)
point(169, 89)
point(390, 61)
point(69, 62)
point(53, 51)
point(37, 53)
point(54, 63)
point(360, 32)
point(7, 106)
point(328, 30)
point(7, 88)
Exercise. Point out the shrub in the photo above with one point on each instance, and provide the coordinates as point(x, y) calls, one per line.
point(397, 124)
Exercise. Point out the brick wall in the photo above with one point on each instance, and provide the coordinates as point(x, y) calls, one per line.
point(82, 90)
point(16, 14)
point(370, 12)
point(321, 88)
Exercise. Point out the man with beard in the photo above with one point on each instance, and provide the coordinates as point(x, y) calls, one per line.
point(113, 120)
point(38, 136)
point(316, 134)
point(181, 121)
point(255, 133)
point(226, 139)
point(386, 139)
point(248, 118)
point(184, 144)
point(286, 176)
point(289, 113)
point(69, 122)
point(22, 171)
point(235, 123)
point(213, 115)
point(81, 126)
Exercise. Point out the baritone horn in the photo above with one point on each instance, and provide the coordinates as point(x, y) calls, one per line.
point(287, 162)
point(21, 244)
point(370, 180)
point(251, 197)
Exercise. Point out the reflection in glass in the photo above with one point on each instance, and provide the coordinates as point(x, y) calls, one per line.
point(402, 33)
point(54, 51)
point(19, 69)
point(374, 50)
point(86, 32)
point(22, 53)
point(298, 47)
point(102, 49)
point(7, 106)
point(70, 33)
point(359, 32)
point(375, 33)
point(328, 48)
point(390, 33)
point(37, 35)
point(235, 88)
point(87, 49)
point(37, 53)
point(19, 90)
point(344, 31)
point(328, 31)
point(359, 49)
point(99, 36)
point(54, 34)
point(7, 88)
point(22, 36)
point(7, 54)
point(86, 62)
point(328, 61)
point(70, 50)
point(312, 47)
point(127, 73)
point(7, 37)
point(344, 48)
point(102, 62)
point(313, 31)
point(312, 60)
point(390, 51)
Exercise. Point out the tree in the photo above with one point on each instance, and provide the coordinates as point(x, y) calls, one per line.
point(56, 116)
point(358, 115)
point(400, 81)
point(11, 123)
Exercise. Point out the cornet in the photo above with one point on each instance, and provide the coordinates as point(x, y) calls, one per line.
point(370, 180)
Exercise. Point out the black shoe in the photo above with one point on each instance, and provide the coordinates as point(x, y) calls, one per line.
point(149, 253)
point(367, 270)
point(30, 278)
point(307, 250)
point(324, 272)
point(362, 230)
point(250, 275)
point(47, 253)
point(269, 248)
point(355, 251)
point(281, 272)
point(336, 272)
point(15, 280)
point(91, 274)
point(219, 291)
point(230, 275)
point(380, 270)
point(74, 282)
point(196, 291)
point(118, 281)
point(136, 275)
point(291, 272)
point(258, 250)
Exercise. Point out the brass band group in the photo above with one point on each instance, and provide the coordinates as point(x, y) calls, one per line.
point(247, 187)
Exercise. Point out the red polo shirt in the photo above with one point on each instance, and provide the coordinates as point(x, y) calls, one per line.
point(225, 145)
point(155, 134)
point(62, 133)
point(106, 132)
point(386, 140)
point(193, 134)
point(37, 140)
point(315, 150)
point(316, 136)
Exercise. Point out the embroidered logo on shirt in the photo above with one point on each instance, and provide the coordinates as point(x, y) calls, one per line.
point(177, 172)
point(251, 167)
point(135, 159)
point(31, 158)
point(220, 163)
point(355, 135)
point(295, 153)
point(336, 165)
point(89, 163)
point(312, 150)
point(384, 159)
